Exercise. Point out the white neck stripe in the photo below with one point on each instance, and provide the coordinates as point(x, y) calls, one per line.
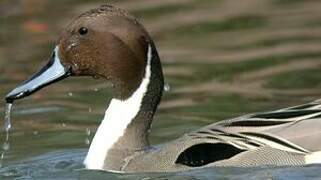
point(118, 116)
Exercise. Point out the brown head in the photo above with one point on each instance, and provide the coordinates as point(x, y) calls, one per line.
point(108, 43)
point(105, 42)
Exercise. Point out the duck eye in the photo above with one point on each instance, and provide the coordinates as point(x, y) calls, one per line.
point(83, 31)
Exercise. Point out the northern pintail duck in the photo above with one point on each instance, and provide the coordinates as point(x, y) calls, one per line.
point(109, 43)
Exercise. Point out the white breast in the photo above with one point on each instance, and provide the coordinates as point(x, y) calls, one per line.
point(118, 116)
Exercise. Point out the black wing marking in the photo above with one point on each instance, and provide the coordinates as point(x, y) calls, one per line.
point(278, 117)
point(206, 153)
point(275, 142)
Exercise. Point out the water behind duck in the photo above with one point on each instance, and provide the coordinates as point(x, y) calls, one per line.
point(198, 73)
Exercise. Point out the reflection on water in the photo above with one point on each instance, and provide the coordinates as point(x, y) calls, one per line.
point(67, 164)
point(221, 59)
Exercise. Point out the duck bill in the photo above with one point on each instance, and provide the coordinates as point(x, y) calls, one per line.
point(52, 72)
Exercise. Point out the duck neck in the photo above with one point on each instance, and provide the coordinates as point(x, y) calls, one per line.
point(125, 127)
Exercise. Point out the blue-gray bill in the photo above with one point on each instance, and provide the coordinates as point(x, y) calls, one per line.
point(53, 71)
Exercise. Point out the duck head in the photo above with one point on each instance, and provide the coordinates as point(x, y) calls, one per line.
point(108, 43)
point(105, 43)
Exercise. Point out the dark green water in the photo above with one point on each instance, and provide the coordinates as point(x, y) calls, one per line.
point(221, 59)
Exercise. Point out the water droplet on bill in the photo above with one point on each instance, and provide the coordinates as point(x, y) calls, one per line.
point(6, 146)
point(7, 126)
point(87, 141)
point(88, 132)
point(167, 87)
point(7, 119)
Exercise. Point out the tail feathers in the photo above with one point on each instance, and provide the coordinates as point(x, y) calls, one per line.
point(313, 158)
